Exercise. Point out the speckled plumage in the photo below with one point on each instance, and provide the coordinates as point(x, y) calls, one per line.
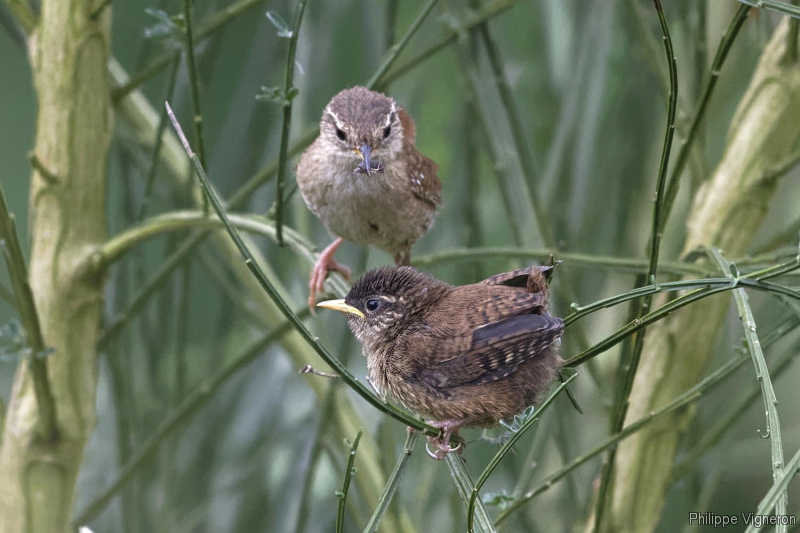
point(388, 208)
point(464, 356)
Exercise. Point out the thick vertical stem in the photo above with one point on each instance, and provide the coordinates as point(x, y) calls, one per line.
point(69, 54)
point(726, 214)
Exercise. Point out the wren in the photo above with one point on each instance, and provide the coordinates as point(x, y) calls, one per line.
point(365, 180)
point(465, 356)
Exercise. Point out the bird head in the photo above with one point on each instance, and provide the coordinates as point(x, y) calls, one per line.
point(385, 300)
point(363, 124)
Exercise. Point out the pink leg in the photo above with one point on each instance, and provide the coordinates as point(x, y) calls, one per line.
point(325, 263)
point(442, 445)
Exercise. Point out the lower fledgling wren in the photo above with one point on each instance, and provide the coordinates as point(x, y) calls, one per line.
point(466, 356)
point(365, 180)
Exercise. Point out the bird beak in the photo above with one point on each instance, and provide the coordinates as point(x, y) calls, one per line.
point(339, 305)
point(366, 150)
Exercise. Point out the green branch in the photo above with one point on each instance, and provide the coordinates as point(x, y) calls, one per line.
point(762, 375)
point(288, 89)
point(507, 448)
point(726, 42)
point(629, 366)
point(690, 396)
point(777, 491)
point(395, 50)
point(393, 482)
point(577, 260)
point(348, 474)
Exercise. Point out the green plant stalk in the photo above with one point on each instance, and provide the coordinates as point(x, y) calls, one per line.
point(487, 12)
point(393, 482)
point(646, 320)
point(465, 488)
point(713, 435)
point(301, 514)
point(162, 125)
point(270, 289)
point(342, 495)
point(626, 265)
point(776, 492)
point(35, 361)
point(774, 5)
point(507, 448)
point(685, 399)
point(73, 131)
point(288, 87)
point(194, 84)
point(395, 50)
point(725, 214)
point(514, 190)
point(179, 416)
point(629, 365)
point(726, 42)
point(762, 375)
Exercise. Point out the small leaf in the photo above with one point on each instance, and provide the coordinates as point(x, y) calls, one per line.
point(497, 499)
point(280, 24)
point(276, 95)
point(168, 28)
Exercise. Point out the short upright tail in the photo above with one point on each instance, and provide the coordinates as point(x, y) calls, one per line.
point(402, 258)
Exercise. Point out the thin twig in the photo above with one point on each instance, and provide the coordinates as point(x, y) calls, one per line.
point(690, 396)
point(348, 474)
point(288, 88)
point(628, 366)
point(159, 142)
point(393, 482)
point(726, 42)
point(395, 50)
point(507, 448)
point(197, 118)
point(712, 436)
point(617, 265)
point(465, 488)
point(775, 493)
point(773, 432)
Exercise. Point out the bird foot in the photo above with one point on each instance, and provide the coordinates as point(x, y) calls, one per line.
point(325, 263)
point(441, 445)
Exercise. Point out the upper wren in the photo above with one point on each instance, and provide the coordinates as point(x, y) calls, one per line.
point(365, 180)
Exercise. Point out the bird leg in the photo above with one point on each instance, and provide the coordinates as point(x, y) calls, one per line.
point(441, 444)
point(325, 263)
point(403, 257)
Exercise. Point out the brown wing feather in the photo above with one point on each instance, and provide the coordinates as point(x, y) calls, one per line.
point(495, 351)
point(422, 176)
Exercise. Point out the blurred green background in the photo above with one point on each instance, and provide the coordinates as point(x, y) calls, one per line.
point(588, 79)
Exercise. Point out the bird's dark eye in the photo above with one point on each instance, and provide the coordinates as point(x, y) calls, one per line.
point(387, 131)
point(341, 135)
point(373, 305)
